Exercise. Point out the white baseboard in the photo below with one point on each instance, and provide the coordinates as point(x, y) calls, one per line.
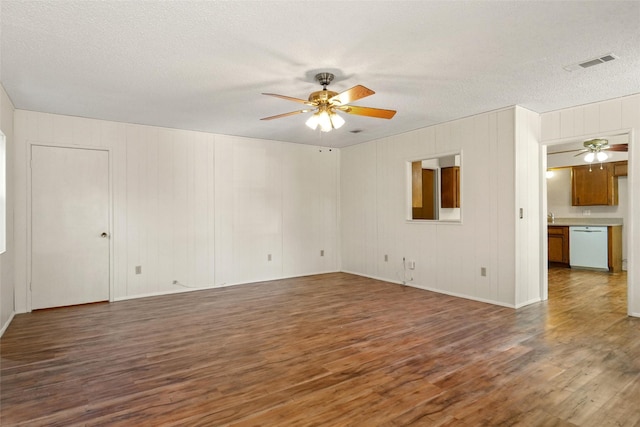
point(439, 291)
point(6, 325)
point(182, 288)
point(531, 301)
point(458, 295)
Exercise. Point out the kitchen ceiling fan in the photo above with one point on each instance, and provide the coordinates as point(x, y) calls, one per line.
point(326, 103)
point(595, 149)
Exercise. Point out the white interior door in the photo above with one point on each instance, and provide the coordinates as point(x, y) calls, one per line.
point(69, 226)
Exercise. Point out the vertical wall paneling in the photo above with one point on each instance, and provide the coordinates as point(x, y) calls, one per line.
point(309, 184)
point(528, 233)
point(507, 211)
point(358, 209)
point(610, 115)
point(7, 271)
point(591, 118)
point(567, 123)
point(448, 256)
point(483, 203)
point(223, 192)
point(165, 210)
point(620, 115)
point(199, 209)
point(151, 208)
point(257, 210)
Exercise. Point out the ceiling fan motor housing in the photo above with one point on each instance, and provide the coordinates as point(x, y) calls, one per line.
point(596, 144)
point(322, 96)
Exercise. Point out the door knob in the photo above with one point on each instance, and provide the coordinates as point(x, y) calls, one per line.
point(104, 235)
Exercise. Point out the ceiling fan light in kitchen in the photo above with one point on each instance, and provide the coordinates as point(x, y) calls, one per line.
point(589, 157)
point(601, 156)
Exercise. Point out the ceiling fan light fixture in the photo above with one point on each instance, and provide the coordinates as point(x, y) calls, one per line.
point(313, 121)
point(589, 157)
point(602, 156)
point(325, 122)
point(337, 121)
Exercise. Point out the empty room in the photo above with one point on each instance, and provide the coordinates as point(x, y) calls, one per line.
point(340, 213)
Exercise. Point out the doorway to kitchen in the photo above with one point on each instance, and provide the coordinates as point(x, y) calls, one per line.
point(587, 205)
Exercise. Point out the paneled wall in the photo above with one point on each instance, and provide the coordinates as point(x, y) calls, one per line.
point(616, 116)
point(197, 209)
point(375, 198)
point(6, 259)
point(529, 232)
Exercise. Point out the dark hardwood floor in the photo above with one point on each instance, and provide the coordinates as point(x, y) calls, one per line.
point(329, 350)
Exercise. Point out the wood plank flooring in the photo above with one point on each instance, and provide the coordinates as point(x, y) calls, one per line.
point(328, 350)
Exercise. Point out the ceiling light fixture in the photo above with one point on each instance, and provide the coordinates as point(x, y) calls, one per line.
point(589, 157)
point(594, 150)
point(601, 156)
point(326, 119)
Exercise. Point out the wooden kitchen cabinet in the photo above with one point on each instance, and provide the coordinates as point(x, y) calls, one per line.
point(620, 168)
point(614, 248)
point(450, 187)
point(591, 186)
point(558, 244)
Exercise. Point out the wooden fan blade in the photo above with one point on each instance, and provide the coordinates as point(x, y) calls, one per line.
point(350, 95)
point(368, 111)
point(293, 113)
point(618, 147)
point(289, 98)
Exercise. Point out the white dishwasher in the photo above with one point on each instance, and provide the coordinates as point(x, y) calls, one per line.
point(588, 247)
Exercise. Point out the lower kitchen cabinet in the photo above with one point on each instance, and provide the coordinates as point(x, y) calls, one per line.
point(614, 248)
point(558, 245)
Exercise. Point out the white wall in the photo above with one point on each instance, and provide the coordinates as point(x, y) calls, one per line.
point(6, 259)
point(620, 115)
point(528, 173)
point(202, 209)
point(375, 194)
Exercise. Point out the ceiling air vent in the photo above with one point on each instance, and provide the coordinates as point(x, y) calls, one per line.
point(591, 62)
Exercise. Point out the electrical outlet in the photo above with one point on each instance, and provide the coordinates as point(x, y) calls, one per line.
point(268, 257)
point(412, 265)
point(483, 271)
point(386, 258)
point(175, 282)
point(321, 252)
point(586, 212)
point(138, 269)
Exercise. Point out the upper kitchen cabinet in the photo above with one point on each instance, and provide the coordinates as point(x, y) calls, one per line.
point(593, 185)
point(620, 168)
point(450, 187)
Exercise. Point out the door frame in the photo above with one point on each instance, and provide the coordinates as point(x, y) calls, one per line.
point(108, 150)
point(628, 228)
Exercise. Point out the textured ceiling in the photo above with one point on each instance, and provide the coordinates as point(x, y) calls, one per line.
point(202, 65)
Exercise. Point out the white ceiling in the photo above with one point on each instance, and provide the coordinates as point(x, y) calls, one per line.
point(202, 65)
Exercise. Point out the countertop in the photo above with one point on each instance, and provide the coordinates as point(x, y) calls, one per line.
point(602, 222)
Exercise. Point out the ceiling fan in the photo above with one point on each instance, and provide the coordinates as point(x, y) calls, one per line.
point(595, 149)
point(325, 104)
